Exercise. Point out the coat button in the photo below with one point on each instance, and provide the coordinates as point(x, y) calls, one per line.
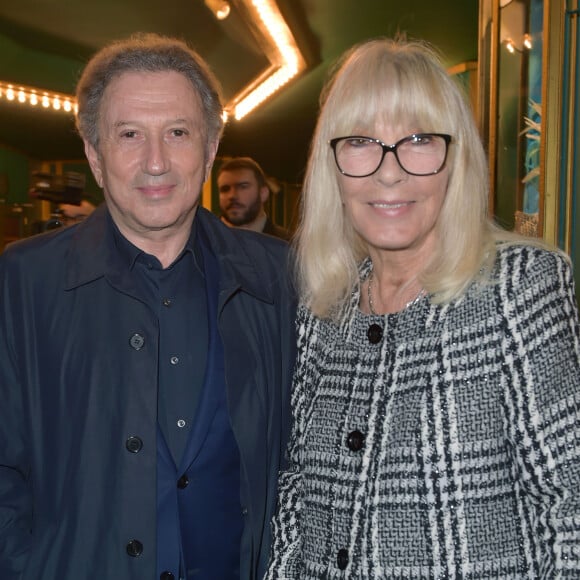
point(342, 558)
point(355, 440)
point(134, 444)
point(375, 333)
point(134, 548)
point(166, 576)
point(183, 482)
point(137, 341)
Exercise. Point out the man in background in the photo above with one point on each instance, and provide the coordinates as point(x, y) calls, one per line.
point(75, 213)
point(243, 192)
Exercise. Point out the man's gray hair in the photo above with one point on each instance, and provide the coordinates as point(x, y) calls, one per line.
point(146, 52)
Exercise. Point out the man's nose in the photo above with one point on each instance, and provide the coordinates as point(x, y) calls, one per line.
point(156, 157)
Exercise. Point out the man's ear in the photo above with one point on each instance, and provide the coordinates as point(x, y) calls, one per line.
point(95, 162)
point(264, 193)
point(212, 149)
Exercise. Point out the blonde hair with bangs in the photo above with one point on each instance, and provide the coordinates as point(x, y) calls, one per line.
point(395, 81)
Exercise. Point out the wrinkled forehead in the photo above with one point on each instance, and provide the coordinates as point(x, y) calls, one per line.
point(237, 175)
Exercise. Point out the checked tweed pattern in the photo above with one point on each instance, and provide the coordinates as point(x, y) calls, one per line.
point(470, 412)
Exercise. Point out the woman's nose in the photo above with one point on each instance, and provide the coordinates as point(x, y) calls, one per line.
point(390, 170)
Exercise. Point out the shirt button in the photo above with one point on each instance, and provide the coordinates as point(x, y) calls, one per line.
point(174, 360)
point(342, 558)
point(183, 482)
point(167, 302)
point(375, 333)
point(134, 548)
point(181, 423)
point(137, 341)
point(134, 444)
point(355, 440)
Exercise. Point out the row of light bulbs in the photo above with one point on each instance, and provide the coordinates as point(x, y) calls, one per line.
point(286, 62)
point(38, 97)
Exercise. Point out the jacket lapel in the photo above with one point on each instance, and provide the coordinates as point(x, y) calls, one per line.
point(210, 397)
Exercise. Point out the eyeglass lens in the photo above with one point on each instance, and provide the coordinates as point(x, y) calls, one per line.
point(418, 154)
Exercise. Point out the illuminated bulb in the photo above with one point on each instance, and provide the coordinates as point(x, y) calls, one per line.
point(33, 99)
point(10, 94)
point(528, 41)
point(67, 106)
point(223, 12)
point(220, 8)
point(21, 96)
point(45, 101)
point(510, 45)
point(56, 103)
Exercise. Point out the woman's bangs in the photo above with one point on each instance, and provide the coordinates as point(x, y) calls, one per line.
point(420, 103)
point(392, 98)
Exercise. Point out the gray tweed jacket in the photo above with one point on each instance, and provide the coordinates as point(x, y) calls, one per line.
point(443, 444)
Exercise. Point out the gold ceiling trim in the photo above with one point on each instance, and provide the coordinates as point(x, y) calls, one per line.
point(281, 49)
point(274, 38)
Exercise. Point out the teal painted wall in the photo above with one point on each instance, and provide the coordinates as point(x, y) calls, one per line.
point(14, 176)
point(19, 65)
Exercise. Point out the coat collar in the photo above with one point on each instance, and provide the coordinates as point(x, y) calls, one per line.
point(90, 255)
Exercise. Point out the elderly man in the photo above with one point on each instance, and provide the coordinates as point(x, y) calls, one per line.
point(145, 353)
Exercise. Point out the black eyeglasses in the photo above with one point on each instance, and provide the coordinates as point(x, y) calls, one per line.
point(419, 154)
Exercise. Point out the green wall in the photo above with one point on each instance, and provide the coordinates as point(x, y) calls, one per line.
point(15, 171)
point(14, 177)
point(19, 65)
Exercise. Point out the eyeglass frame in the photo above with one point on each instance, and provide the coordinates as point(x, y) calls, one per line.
point(393, 149)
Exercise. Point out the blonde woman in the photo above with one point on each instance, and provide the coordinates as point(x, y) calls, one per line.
point(436, 397)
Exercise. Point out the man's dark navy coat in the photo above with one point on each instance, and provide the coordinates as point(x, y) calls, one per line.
point(78, 401)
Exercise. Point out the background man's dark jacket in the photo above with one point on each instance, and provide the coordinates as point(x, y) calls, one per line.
point(272, 229)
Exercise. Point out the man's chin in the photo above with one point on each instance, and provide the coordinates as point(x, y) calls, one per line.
point(236, 221)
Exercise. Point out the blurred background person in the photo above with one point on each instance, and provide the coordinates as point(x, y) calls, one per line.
point(243, 191)
point(75, 213)
point(436, 398)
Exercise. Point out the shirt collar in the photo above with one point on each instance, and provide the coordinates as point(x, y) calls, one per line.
point(129, 254)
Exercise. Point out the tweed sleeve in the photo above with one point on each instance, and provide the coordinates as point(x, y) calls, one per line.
point(286, 552)
point(542, 404)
